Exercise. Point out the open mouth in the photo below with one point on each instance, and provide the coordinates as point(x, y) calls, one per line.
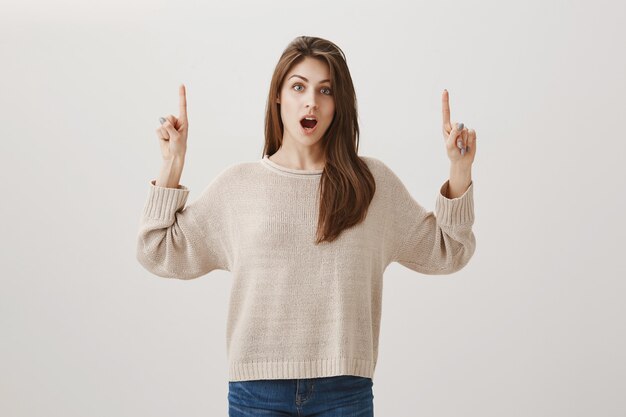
point(308, 124)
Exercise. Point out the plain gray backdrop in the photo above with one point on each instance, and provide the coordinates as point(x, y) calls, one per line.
point(533, 326)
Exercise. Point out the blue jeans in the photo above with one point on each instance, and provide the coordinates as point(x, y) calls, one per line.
point(343, 395)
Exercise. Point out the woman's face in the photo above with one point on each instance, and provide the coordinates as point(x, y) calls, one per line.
point(306, 91)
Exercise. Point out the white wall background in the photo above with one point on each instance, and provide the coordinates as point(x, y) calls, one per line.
point(533, 326)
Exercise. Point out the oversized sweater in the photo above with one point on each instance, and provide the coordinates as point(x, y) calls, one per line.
point(297, 309)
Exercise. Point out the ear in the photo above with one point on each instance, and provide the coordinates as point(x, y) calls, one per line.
point(278, 100)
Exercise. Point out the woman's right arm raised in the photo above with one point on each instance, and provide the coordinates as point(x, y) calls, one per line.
point(175, 241)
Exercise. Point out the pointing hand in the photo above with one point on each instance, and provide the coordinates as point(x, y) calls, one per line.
point(172, 133)
point(460, 142)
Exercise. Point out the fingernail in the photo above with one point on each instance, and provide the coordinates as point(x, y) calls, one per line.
point(462, 151)
point(459, 126)
point(459, 144)
point(162, 120)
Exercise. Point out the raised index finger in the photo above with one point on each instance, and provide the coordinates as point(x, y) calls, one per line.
point(445, 108)
point(183, 103)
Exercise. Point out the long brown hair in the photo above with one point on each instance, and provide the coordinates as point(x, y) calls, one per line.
point(346, 186)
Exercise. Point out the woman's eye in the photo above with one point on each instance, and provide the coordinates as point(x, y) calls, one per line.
point(325, 88)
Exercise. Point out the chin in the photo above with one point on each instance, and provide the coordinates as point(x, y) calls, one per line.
point(308, 140)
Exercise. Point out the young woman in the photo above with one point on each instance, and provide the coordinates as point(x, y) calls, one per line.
point(307, 232)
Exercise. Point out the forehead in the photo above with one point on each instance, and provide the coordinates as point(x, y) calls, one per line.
point(313, 69)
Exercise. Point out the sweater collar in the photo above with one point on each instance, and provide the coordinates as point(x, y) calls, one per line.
point(302, 172)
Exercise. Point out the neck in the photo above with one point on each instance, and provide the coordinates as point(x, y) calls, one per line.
point(306, 159)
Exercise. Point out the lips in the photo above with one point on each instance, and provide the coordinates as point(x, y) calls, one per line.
point(308, 122)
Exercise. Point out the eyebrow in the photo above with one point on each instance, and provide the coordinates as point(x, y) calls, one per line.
point(300, 76)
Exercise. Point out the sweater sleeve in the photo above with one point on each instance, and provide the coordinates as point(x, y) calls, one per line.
point(433, 243)
point(178, 241)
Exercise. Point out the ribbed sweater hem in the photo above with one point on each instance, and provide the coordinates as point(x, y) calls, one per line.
point(455, 211)
point(292, 369)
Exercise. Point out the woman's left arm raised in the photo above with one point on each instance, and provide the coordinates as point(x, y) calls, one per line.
point(439, 242)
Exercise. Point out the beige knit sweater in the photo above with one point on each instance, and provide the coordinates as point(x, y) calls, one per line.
point(296, 309)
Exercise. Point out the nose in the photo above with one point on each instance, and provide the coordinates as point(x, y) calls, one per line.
point(311, 101)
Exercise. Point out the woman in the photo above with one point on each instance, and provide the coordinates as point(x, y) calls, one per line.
point(307, 232)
